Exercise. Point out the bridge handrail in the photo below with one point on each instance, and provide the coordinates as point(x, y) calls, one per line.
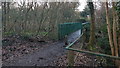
point(88, 52)
point(85, 23)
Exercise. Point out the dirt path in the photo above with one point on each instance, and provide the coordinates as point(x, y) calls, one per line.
point(42, 57)
point(45, 56)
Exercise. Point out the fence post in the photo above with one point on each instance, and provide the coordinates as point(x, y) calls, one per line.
point(71, 56)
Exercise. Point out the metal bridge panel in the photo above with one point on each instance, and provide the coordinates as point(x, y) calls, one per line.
point(68, 28)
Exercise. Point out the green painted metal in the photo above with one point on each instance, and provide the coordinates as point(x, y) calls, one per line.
point(68, 28)
point(97, 54)
point(88, 52)
point(74, 42)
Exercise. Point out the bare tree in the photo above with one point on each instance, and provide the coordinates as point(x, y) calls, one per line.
point(109, 29)
point(115, 29)
point(92, 27)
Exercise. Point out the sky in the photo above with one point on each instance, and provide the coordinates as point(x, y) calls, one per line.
point(82, 6)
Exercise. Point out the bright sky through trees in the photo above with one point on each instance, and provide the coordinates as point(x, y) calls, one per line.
point(82, 6)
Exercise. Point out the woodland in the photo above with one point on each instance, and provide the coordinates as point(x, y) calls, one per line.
point(28, 27)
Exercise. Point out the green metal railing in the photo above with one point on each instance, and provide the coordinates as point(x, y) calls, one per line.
point(68, 28)
point(88, 52)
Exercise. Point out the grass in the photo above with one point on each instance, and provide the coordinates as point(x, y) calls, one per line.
point(50, 36)
point(8, 33)
point(24, 33)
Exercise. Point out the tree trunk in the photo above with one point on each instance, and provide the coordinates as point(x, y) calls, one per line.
point(119, 43)
point(115, 33)
point(4, 16)
point(114, 30)
point(92, 27)
point(118, 15)
point(109, 29)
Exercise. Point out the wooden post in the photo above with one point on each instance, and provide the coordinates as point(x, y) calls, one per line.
point(71, 56)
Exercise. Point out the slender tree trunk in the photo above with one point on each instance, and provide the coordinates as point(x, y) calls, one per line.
point(119, 37)
point(119, 43)
point(118, 15)
point(4, 16)
point(109, 29)
point(115, 33)
point(114, 30)
point(92, 27)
